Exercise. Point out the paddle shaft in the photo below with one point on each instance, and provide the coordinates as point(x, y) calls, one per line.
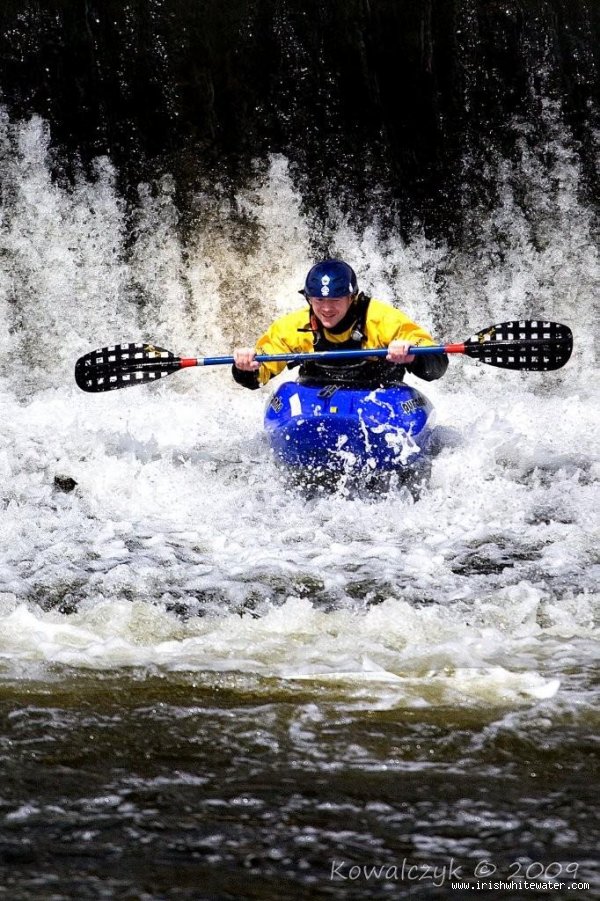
point(323, 355)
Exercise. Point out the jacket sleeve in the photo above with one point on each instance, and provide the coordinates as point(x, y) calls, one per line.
point(275, 340)
point(391, 324)
point(429, 367)
point(244, 378)
point(282, 337)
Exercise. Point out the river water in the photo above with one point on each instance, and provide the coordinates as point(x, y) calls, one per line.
point(214, 684)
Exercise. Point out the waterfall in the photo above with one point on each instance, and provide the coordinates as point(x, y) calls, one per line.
point(401, 110)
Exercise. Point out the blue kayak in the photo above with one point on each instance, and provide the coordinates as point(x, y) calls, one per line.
point(340, 428)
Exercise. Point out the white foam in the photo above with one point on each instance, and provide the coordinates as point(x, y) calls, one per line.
point(484, 591)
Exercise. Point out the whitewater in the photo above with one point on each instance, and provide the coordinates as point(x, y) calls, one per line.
point(178, 507)
point(181, 555)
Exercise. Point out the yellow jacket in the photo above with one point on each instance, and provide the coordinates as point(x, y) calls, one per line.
point(384, 324)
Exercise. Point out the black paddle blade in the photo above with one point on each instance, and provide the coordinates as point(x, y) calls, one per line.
point(534, 345)
point(122, 366)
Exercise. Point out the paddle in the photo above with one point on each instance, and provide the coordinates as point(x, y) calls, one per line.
point(532, 345)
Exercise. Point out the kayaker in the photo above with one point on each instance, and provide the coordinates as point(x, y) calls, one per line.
point(340, 318)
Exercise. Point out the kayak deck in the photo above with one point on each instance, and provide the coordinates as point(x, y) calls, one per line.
point(339, 428)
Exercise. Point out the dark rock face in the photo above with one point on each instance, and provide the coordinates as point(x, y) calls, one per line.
point(396, 102)
point(64, 483)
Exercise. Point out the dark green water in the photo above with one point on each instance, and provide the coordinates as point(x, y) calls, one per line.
point(133, 785)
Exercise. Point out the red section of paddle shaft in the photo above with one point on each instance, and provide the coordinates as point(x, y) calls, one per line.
point(454, 348)
point(187, 361)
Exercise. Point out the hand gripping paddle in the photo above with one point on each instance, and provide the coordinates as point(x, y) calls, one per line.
point(533, 345)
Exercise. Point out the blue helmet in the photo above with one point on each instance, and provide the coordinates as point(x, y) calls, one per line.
point(331, 278)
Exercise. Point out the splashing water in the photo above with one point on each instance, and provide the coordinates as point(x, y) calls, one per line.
point(168, 595)
point(179, 511)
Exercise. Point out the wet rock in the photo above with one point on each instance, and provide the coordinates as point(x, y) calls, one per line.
point(64, 483)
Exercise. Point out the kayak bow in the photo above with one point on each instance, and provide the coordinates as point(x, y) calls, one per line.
point(343, 428)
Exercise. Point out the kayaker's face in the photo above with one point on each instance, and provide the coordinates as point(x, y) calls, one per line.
point(330, 310)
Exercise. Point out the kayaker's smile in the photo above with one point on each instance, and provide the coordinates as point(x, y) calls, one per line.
point(330, 310)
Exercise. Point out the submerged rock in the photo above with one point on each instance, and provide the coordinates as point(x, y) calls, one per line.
point(64, 483)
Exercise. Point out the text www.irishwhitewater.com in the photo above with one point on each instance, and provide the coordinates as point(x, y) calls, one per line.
point(482, 875)
point(526, 885)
